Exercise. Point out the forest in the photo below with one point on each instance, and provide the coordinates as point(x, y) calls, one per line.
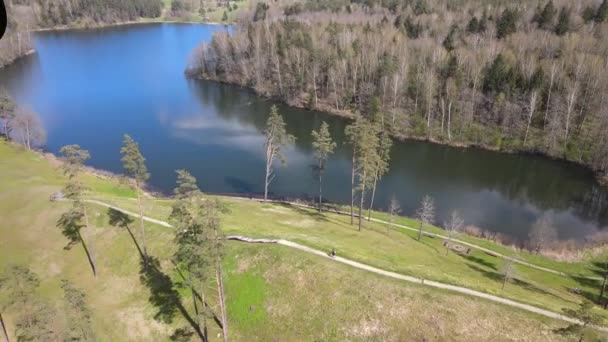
point(26, 15)
point(512, 76)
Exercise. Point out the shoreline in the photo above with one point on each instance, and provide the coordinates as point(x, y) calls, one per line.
point(601, 179)
point(125, 23)
point(155, 194)
point(16, 59)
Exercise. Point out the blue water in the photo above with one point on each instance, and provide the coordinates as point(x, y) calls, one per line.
point(91, 87)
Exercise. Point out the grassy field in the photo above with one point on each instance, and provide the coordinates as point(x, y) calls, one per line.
point(273, 292)
point(392, 249)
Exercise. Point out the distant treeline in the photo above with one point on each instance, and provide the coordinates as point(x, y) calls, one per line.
point(506, 75)
point(25, 15)
point(66, 12)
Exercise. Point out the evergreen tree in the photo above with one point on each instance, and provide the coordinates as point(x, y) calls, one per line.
point(498, 76)
point(134, 165)
point(584, 315)
point(367, 160)
point(225, 16)
point(448, 42)
point(563, 22)
point(384, 150)
point(191, 239)
point(506, 23)
point(73, 220)
point(323, 146)
point(276, 139)
point(588, 14)
point(78, 313)
point(473, 25)
point(602, 12)
point(544, 19)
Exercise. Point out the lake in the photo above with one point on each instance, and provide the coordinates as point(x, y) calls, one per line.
point(91, 87)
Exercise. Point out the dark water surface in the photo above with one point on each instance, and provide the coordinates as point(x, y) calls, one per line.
point(92, 87)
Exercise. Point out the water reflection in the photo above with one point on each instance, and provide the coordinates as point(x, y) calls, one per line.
point(91, 87)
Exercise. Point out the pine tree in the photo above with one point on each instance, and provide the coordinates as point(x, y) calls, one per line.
point(78, 313)
point(276, 139)
point(563, 22)
point(323, 146)
point(473, 25)
point(76, 217)
point(602, 12)
point(134, 165)
point(191, 238)
point(384, 150)
point(448, 42)
point(367, 161)
point(225, 16)
point(544, 19)
point(506, 24)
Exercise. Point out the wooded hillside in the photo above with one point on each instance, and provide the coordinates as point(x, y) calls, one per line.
point(505, 75)
point(25, 15)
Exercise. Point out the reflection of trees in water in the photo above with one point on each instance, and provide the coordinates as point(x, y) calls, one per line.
point(521, 179)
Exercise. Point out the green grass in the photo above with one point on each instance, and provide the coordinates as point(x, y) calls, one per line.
point(271, 290)
point(395, 250)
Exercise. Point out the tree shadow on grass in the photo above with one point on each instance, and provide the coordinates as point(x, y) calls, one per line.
point(477, 260)
point(314, 214)
point(198, 296)
point(122, 220)
point(588, 283)
point(70, 224)
point(163, 295)
point(496, 276)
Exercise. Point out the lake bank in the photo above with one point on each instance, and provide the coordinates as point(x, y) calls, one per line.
point(600, 176)
point(217, 132)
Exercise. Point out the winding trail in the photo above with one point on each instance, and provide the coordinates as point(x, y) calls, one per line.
point(420, 281)
point(472, 245)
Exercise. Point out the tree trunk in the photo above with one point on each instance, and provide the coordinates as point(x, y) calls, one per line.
point(371, 203)
point(27, 135)
point(268, 169)
point(420, 231)
point(532, 109)
point(141, 220)
point(361, 203)
point(320, 187)
point(204, 308)
point(504, 281)
point(549, 95)
point(193, 293)
point(442, 113)
point(352, 190)
point(450, 121)
point(603, 286)
point(220, 291)
point(3, 329)
point(447, 245)
point(89, 241)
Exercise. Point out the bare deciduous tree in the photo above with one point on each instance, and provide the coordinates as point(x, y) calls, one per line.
point(27, 128)
point(454, 225)
point(507, 270)
point(394, 208)
point(425, 214)
point(542, 234)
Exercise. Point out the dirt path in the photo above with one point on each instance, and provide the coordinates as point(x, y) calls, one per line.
point(458, 289)
point(483, 249)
